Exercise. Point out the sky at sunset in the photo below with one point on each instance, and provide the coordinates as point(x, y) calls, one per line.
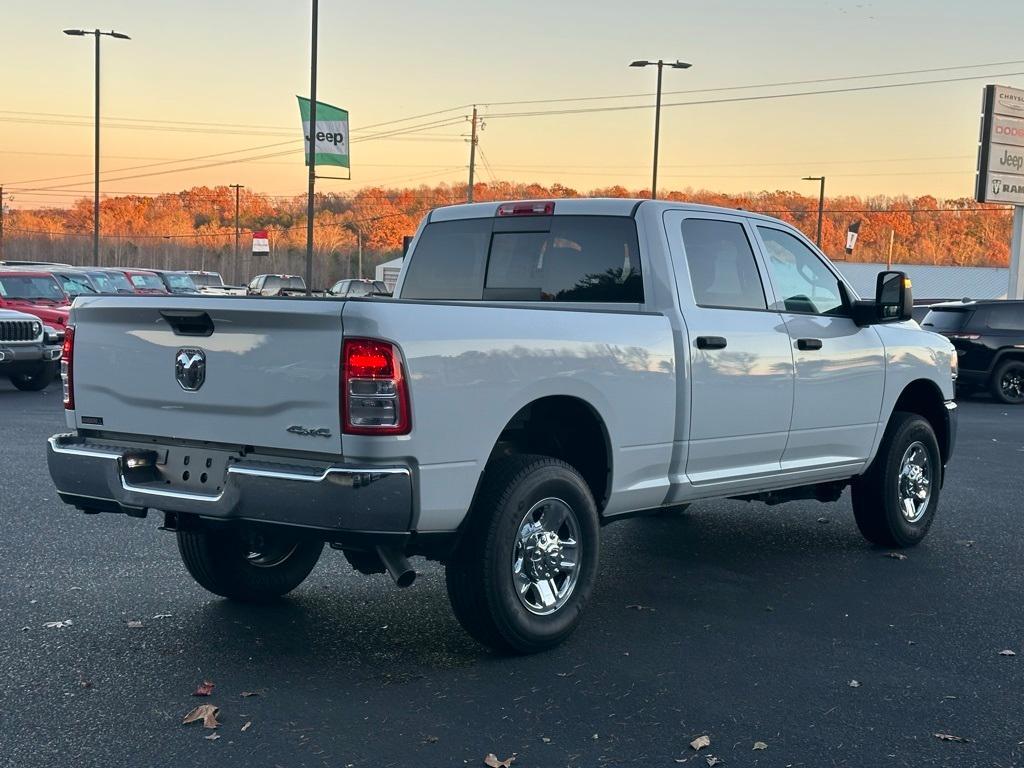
point(202, 78)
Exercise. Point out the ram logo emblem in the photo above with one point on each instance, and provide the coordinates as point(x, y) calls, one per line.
point(190, 369)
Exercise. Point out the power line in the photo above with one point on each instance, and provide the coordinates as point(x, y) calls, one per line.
point(756, 85)
point(735, 99)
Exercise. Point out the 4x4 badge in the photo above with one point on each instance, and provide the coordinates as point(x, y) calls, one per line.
point(190, 369)
point(310, 432)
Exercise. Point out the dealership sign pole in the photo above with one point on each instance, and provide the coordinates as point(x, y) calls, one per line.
point(1000, 177)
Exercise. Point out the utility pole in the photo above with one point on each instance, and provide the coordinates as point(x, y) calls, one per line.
point(1, 222)
point(238, 191)
point(888, 260)
point(472, 158)
point(96, 172)
point(310, 198)
point(821, 204)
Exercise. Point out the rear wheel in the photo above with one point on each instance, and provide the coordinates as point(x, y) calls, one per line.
point(248, 564)
point(894, 503)
point(527, 561)
point(1007, 385)
point(34, 381)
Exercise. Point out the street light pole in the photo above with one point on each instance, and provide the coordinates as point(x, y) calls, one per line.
point(660, 64)
point(821, 204)
point(311, 195)
point(96, 141)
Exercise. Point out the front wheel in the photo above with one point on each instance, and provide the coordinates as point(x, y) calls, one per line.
point(894, 502)
point(36, 381)
point(249, 565)
point(527, 562)
point(1008, 382)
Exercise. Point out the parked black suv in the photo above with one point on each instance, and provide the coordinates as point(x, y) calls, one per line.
point(989, 341)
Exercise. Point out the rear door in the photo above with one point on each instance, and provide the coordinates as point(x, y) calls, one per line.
point(234, 371)
point(840, 367)
point(741, 366)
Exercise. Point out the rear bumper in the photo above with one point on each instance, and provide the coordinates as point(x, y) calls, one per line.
point(342, 498)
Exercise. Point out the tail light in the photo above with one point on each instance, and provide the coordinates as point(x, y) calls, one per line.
point(539, 208)
point(67, 367)
point(374, 395)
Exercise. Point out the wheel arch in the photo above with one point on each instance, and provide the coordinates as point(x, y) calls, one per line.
point(563, 427)
point(923, 397)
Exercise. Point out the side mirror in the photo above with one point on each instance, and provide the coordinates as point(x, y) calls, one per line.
point(894, 300)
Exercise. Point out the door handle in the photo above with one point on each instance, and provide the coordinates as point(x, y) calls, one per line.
point(808, 344)
point(711, 342)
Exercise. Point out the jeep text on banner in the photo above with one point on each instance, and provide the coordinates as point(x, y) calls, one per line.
point(331, 133)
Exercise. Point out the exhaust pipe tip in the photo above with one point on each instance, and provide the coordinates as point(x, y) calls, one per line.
point(397, 566)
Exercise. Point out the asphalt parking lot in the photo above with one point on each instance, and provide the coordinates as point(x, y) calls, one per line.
point(738, 621)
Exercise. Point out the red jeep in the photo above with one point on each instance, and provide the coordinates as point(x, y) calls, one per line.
point(36, 293)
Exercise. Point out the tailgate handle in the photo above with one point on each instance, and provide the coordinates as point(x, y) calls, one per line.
point(185, 323)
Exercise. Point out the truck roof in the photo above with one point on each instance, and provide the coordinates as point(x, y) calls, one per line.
point(584, 206)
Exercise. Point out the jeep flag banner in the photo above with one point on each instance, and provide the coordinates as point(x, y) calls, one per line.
point(260, 242)
point(331, 133)
point(851, 236)
point(1000, 175)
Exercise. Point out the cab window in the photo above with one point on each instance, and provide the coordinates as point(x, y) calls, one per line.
point(723, 272)
point(802, 282)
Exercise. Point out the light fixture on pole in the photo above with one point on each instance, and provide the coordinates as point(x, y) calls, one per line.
point(821, 204)
point(660, 64)
point(96, 175)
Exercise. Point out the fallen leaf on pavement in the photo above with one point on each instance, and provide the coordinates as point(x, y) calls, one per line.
point(134, 624)
point(638, 607)
point(212, 737)
point(57, 624)
point(247, 694)
point(966, 542)
point(951, 737)
point(1007, 652)
point(205, 689)
point(822, 519)
point(854, 684)
point(700, 742)
point(162, 616)
point(247, 726)
point(896, 555)
point(760, 745)
point(712, 760)
point(492, 761)
point(546, 739)
point(207, 713)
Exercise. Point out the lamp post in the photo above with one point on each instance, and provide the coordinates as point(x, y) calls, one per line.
point(660, 64)
point(96, 176)
point(821, 204)
point(359, 243)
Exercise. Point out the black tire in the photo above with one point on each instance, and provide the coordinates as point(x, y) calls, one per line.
point(1007, 383)
point(36, 381)
point(222, 562)
point(479, 575)
point(877, 502)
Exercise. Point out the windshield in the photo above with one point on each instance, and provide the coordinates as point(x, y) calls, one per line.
point(30, 287)
point(76, 285)
point(947, 319)
point(147, 281)
point(180, 282)
point(279, 282)
point(207, 279)
point(112, 282)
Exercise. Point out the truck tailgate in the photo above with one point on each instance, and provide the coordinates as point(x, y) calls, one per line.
point(270, 370)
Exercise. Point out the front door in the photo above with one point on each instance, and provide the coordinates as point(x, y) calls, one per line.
point(740, 364)
point(840, 367)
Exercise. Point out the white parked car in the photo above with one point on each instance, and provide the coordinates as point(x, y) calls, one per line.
point(544, 368)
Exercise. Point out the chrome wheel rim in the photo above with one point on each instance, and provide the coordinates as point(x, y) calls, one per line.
point(1012, 384)
point(915, 482)
point(546, 556)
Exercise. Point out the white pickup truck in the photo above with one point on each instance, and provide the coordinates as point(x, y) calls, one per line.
point(544, 368)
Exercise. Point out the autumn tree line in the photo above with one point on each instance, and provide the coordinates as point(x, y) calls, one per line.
point(195, 228)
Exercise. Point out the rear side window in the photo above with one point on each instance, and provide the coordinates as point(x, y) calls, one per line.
point(565, 258)
point(721, 263)
point(947, 319)
point(1009, 317)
